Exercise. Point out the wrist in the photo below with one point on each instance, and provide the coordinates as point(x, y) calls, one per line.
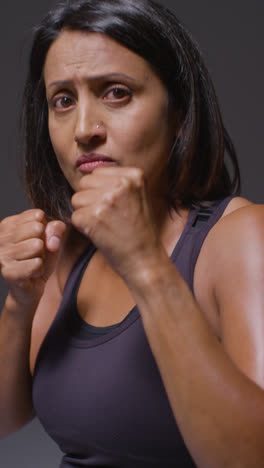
point(22, 310)
point(150, 271)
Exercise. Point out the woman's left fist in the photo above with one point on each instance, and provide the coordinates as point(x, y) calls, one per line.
point(113, 210)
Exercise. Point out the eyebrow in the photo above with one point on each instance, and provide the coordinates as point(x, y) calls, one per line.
point(93, 78)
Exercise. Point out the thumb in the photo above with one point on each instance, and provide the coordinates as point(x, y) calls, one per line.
point(54, 234)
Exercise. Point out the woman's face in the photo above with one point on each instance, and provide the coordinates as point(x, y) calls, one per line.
point(106, 106)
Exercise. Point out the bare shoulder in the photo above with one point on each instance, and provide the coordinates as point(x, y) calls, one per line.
point(235, 204)
point(240, 208)
point(235, 246)
point(240, 227)
point(239, 218)
point(230, 259)
point(237, 239)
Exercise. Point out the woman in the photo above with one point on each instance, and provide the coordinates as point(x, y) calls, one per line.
point(132, 204)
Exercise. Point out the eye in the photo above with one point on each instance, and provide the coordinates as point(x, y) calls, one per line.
point(117, 93)
point(62, 102)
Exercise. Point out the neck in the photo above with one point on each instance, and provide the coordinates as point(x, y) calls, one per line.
point(170, 223)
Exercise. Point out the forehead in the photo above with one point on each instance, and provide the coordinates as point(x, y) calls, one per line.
point(76, 52)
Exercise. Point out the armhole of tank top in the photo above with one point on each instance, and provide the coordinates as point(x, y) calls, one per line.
point(204, 221)
point(199, 223)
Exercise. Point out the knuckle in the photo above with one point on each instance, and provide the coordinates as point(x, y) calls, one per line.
point(37, 228)
point(37, 263)
point(37, 245)
point(99, 212)
point(33, 213)
point(79, 220)
point(38, 214)
point(88, 231)
point(133, 180)
point(109, 199)
point(74, 200)
point(76, 217)
point(125, 183)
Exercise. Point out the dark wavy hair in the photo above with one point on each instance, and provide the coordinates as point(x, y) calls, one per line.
point(197, 169)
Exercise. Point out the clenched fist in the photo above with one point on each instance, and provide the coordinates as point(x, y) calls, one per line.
point(112, 208)
point(28, 252)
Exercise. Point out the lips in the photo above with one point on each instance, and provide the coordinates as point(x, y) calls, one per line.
point(92, 157)
point(86, 163)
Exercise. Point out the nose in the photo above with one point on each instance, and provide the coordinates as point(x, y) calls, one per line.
point(89, 126)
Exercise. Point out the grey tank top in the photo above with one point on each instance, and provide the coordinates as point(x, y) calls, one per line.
point(97, 390)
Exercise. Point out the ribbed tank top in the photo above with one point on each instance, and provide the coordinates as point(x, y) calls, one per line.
point(97, 390)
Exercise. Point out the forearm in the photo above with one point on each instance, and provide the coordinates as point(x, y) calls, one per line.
point(220, 412)
point(15, 381)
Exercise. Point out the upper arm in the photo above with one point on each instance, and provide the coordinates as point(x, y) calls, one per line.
point(237, 257)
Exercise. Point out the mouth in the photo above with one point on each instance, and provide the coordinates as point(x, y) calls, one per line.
point(86, 163)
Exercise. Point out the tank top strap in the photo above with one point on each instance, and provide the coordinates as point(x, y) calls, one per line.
point(77, 272)
point(199, 224)
point(75, 276)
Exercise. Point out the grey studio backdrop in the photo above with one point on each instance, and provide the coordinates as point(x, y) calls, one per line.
point(230, 34)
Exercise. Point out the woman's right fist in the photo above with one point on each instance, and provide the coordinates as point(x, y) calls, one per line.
point(28, 253)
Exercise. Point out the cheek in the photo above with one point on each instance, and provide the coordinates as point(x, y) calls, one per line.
point(62, 145)
point(145, 133)
point(59, 142)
